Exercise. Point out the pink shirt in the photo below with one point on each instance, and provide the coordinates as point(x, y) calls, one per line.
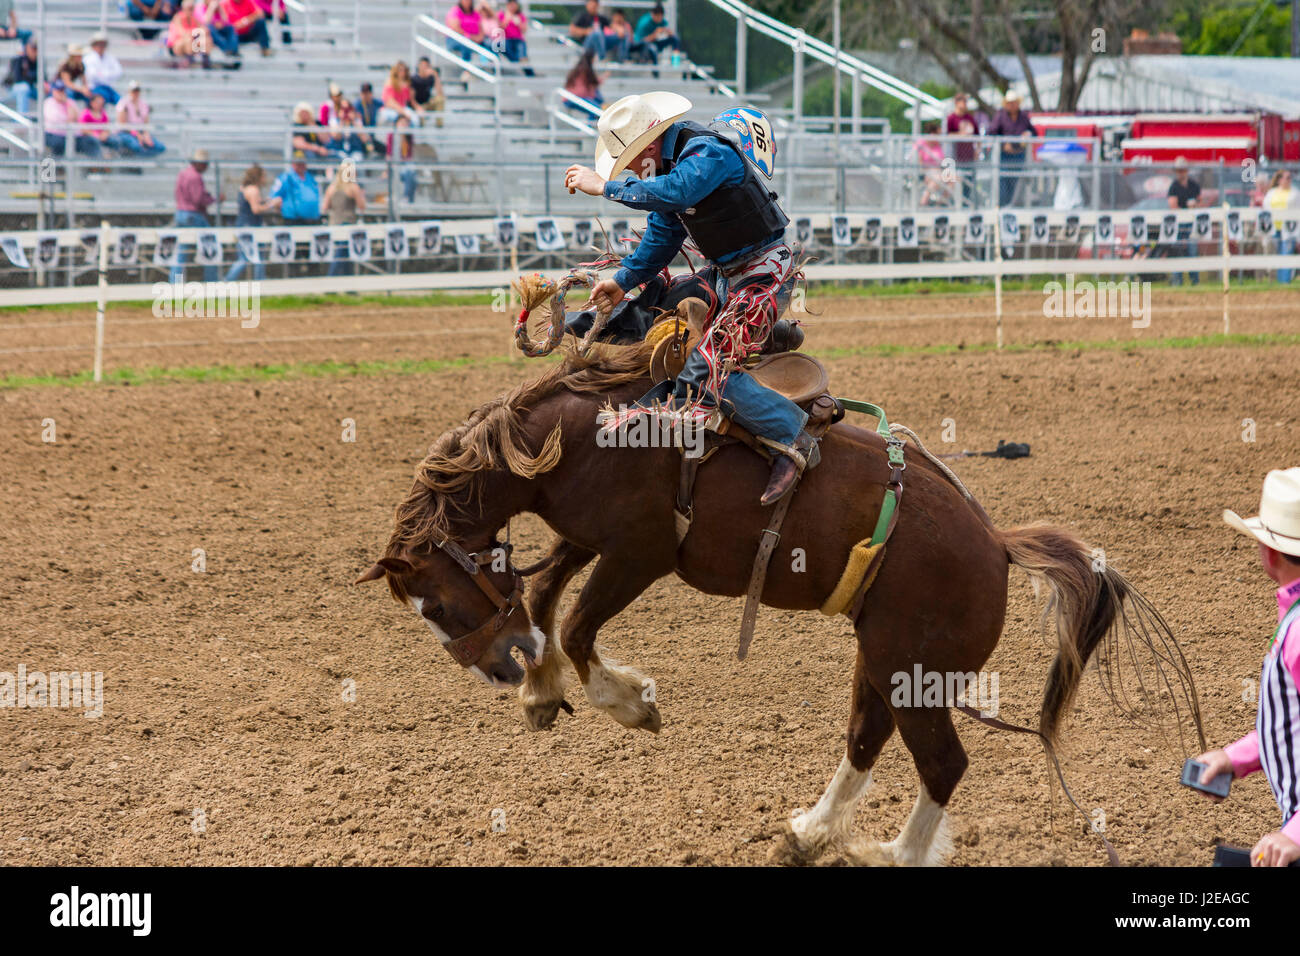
point(469, 24)
point(1244, 753)
point(514, 27)
point(57, 115)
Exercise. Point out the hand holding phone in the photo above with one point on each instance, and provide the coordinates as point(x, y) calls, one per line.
point(1217, 787)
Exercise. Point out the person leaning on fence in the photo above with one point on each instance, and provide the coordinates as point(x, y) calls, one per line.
point(1279, 198)
point(23, 78)
point(192, 202)
point(1184, 193)
point(59, 113)
point(103, 69)
point(344, 202)
point(1274, 745)
point(1013, 125)
point(298, 192)
point(961, 122)
point(252, 207)
point(133, 114)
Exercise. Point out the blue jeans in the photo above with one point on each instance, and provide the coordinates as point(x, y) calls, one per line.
point(1285, 247)
point(187, 219)
point(410, 180)
point(258, 34)
point(125, 142)
point(765, 413)
point(23, 96)
point(135, 13)
point(1188, 249)
point(109, 94)
point(1011, 178)
point(225, 38)
point(342, 265)
point(237, 270)
point(85, 145)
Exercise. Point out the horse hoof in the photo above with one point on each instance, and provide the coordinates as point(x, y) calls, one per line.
point(788, 851)
point(863, 852)
point(541, 716)
point(651, 721)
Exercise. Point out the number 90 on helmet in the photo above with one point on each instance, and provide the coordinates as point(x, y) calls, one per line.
point(751, 130)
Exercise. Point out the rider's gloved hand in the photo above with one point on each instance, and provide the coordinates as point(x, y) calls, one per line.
point(605, 294)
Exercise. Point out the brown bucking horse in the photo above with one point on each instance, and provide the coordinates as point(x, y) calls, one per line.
point(938, 601)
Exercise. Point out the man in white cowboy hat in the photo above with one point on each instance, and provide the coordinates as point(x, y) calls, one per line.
point(1274, 745)
point(103, 69)
point(698, 182)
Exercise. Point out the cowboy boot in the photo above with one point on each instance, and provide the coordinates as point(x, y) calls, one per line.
point(786, 336)
point(787, 466)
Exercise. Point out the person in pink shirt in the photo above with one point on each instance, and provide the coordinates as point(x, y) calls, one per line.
point(249, 23)
point(465, 19)
point(94, 119)
point(514, 27)
point(1274, 745)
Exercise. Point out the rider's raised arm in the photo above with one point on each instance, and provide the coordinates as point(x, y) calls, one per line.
point(707, 165)
point(663, 237)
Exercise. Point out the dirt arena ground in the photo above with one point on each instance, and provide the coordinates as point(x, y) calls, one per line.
point(224, 690)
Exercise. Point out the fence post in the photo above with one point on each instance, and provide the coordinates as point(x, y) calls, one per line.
point(105, 233)
point(798, 78)
point(1226, 268)
point(997, 275)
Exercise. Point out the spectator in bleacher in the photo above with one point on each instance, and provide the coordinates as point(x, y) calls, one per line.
point(961, 122)
point(344, 201)
point(94, 120)
point(133, 114)
point(426, 89)
point(588, 28)
point(277, 10)
point(308, 136)
point(398, 96)
point(368, 115)
point(72, 72)
point(59, 112)
point(298, 192)
point(1014, 126)
point(338, 116)
point(9, 24)
point(1184, 193)
point(23, 79)
point(494, 38)
point(188, 38)
point(929, 153)
point(464, 18)
point(514, 25)
point(249, 23)
point(618, 36)
point(1279, 198)
point(212, 14)
point(192, 202)
point(654, 33)
point(141, 10)
point(103, 69)
point(583, 81)
point(252, 206)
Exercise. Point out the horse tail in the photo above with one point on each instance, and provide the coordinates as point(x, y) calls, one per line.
point(1096, 606)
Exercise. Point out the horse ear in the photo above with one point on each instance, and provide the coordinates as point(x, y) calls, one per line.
point(385, 565)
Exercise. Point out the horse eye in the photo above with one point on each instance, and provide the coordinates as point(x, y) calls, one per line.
point(434, 613)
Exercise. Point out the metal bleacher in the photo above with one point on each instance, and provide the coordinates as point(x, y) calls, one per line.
point(499, 145)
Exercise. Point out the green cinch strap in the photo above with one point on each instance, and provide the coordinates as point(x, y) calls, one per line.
point(895, 458)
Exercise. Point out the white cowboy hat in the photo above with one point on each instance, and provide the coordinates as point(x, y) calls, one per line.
point(630, 125)
point(1278, 522)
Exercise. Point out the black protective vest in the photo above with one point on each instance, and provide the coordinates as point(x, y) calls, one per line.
point(733, 217)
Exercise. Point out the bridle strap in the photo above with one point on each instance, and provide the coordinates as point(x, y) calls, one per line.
point(468, 648)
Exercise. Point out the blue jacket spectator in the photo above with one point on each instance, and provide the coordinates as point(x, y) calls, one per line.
point(299, 193)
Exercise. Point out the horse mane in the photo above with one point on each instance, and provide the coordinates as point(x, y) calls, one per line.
point(450, 479)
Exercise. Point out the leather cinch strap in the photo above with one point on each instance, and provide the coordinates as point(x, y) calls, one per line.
point(753, 597)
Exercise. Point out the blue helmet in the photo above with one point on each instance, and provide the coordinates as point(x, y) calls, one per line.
point(751, 131)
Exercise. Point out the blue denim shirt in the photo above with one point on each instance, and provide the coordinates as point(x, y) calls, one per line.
point(706, 165)
point(301, 197)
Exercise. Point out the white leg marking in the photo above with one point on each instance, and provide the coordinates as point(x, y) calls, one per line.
point(832, 817)
point(543, 684)
point(925, 840)
point(621, 692)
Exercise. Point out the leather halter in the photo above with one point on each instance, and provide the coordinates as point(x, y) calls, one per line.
point(468, 648)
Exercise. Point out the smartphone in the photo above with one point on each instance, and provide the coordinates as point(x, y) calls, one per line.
point(1225, 855)
point(1219, 786)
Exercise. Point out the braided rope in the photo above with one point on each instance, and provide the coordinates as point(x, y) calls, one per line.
point(904, 430)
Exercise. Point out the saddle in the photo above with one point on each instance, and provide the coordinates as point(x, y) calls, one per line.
point(799, 377)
